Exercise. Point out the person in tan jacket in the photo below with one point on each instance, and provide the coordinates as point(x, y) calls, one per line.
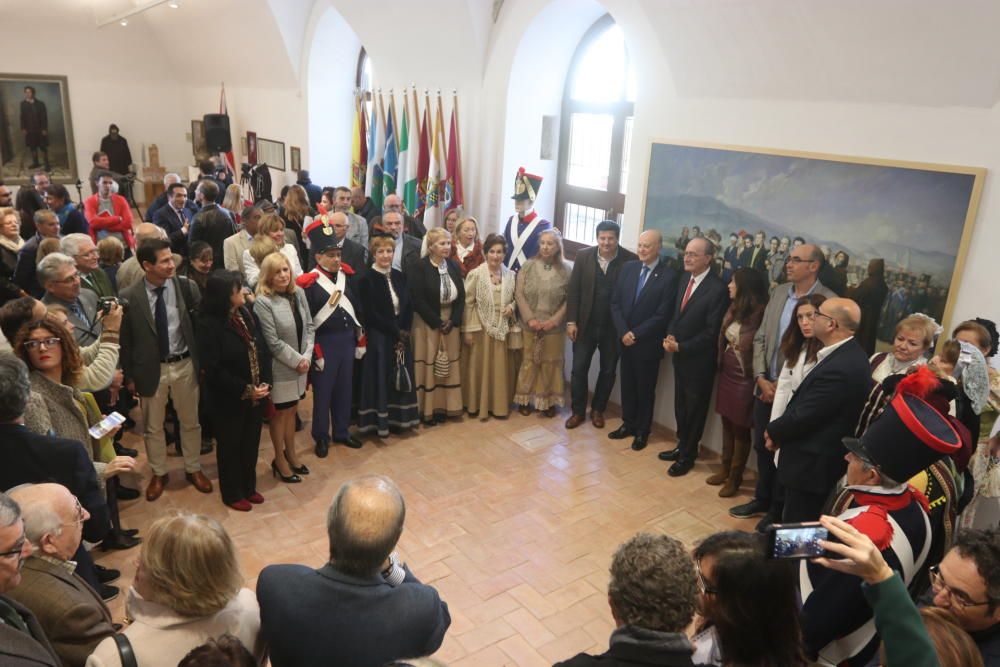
point(74, 617)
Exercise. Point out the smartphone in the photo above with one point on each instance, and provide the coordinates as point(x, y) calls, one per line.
point(796, 540)
point(106, 425)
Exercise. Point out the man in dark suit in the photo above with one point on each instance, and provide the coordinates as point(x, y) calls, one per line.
point(407, 250)
point(61, 279)
point(22, 640)
point(640, 309)
point(71, 613)
point(211, 224)
point(207, 172)
point(823, 411)
point(175, 217)
point(161, 199)
point(30, 458)
point(362, 606)
point(588, 321)
point(411, 225)
point(160, 360)
point(693, 340)
point(363, 205)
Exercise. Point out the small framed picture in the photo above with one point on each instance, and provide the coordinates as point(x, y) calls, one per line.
point(252, 147)
point(295, 157)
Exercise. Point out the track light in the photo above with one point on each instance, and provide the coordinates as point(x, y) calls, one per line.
point(123, 22)
point(174, 4)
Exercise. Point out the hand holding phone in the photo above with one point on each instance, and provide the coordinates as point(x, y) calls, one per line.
point(860, 555)
point(796, 541)
point(106, 426)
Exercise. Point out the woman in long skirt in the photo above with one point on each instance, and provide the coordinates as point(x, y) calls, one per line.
point(487, 360)
point(541, 299)
point(438, 293)
point(387, 401)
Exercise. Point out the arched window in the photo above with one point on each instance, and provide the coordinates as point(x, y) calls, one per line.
point(365, 78)
point(595, 134)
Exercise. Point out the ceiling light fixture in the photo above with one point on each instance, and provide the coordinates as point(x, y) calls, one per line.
point(123, 22)
point(174, 4)
point(121, 18)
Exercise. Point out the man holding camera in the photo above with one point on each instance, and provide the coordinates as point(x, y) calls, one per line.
point(59, 276)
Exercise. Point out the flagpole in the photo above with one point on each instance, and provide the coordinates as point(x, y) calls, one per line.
point(459, 194)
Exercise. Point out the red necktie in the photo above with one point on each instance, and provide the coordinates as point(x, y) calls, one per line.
point(687, 294)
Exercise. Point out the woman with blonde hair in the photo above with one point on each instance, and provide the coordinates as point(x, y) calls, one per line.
point(271, 227)
point(466, 248)
point(287, 325)
point(10, 245)
point(233, 201)
point(188, 587)
point(438, 293)
point(487, 359)
point(542, 284)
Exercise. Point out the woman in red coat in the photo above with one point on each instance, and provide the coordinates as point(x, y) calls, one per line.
point(466, 248)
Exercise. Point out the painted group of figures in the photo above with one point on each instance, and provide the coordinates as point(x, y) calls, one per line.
point(885, 293)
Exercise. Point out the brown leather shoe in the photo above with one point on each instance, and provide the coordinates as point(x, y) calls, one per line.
point(524, 410)
point(156, 486)
point(597, 418)
point(199, 481)
point(574, 421)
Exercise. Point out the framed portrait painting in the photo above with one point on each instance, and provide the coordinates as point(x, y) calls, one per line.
point(36, 128)
point(295, 157)
point(904, 227)
point(251, 147)
point(199, 147)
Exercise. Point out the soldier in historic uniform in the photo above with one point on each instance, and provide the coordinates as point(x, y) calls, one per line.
point(909, 435)
point(337, 314)
point(35, 127)
point(522, 234)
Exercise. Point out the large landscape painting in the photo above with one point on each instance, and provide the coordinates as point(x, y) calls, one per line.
point(916, 217)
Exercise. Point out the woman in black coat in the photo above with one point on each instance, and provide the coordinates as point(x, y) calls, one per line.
point(383, 403)
point(237, 368)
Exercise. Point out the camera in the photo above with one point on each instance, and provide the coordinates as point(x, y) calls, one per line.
point(106, 303)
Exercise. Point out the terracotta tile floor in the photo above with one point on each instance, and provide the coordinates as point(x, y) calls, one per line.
point(514, 521)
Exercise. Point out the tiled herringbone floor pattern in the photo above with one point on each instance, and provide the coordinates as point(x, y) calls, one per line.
point(513, 521)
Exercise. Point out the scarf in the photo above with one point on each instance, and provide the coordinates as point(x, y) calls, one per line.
point(14, 245)
point(484, 301)
point(243, 331)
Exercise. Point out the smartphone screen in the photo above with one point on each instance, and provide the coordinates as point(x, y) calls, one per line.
point(106, 425)
point(796, 540)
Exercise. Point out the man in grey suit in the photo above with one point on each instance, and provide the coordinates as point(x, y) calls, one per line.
point(59, 276)
point(22, 640)
point(160, 361)
point(407, 247)
point(71, 613)
point(363, 606)
point(802, 267)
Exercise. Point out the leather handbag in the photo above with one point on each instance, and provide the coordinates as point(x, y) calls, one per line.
point(125, 651)
point(402, 381)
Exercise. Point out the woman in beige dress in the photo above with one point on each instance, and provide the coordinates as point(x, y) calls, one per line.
point(438, 294)
point(487, 360)
point(541, 300)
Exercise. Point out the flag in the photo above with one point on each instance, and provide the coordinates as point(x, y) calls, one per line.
point(227, 156)
point(453, 193)
point(410, 198)
point(376, 151)
point(434, 214)
point(423, 161)
point(390, 161)
point(404, 151)
point(363, 138)
point(357, 166)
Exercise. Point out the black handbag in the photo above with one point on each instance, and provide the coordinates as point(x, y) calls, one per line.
point(401, 379)
point(125, 651)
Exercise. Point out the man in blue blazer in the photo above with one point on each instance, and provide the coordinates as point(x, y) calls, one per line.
point(693, 340)
point(640, 309)
point(362, 608)
point(175, 217)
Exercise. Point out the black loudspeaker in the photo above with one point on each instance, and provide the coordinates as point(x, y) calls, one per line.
point(217, 137)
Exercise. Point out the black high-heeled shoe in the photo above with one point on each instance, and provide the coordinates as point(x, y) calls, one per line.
point(291, 479)
point(301, 470)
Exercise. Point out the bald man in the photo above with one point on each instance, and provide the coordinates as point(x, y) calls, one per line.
point(362, 606)
point(363, 205)
point(641, 305)
point(411, 225)
point(74, 617)
point(823, 411)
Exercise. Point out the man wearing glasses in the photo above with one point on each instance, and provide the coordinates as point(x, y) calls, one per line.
point(22, 640)
point(823, 411)
point(801, 268)
point(71, 613)
point(59, 276)
point(967, 583)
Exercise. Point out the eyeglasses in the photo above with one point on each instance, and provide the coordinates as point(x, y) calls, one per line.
point(798, 260)
point(79, 514)
point(819, 313)
point(17, 550)
point(959, 598)
point(694, 254)
point(68, 279)
point(40, 342)
point(90, 253)
point(703, 585)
